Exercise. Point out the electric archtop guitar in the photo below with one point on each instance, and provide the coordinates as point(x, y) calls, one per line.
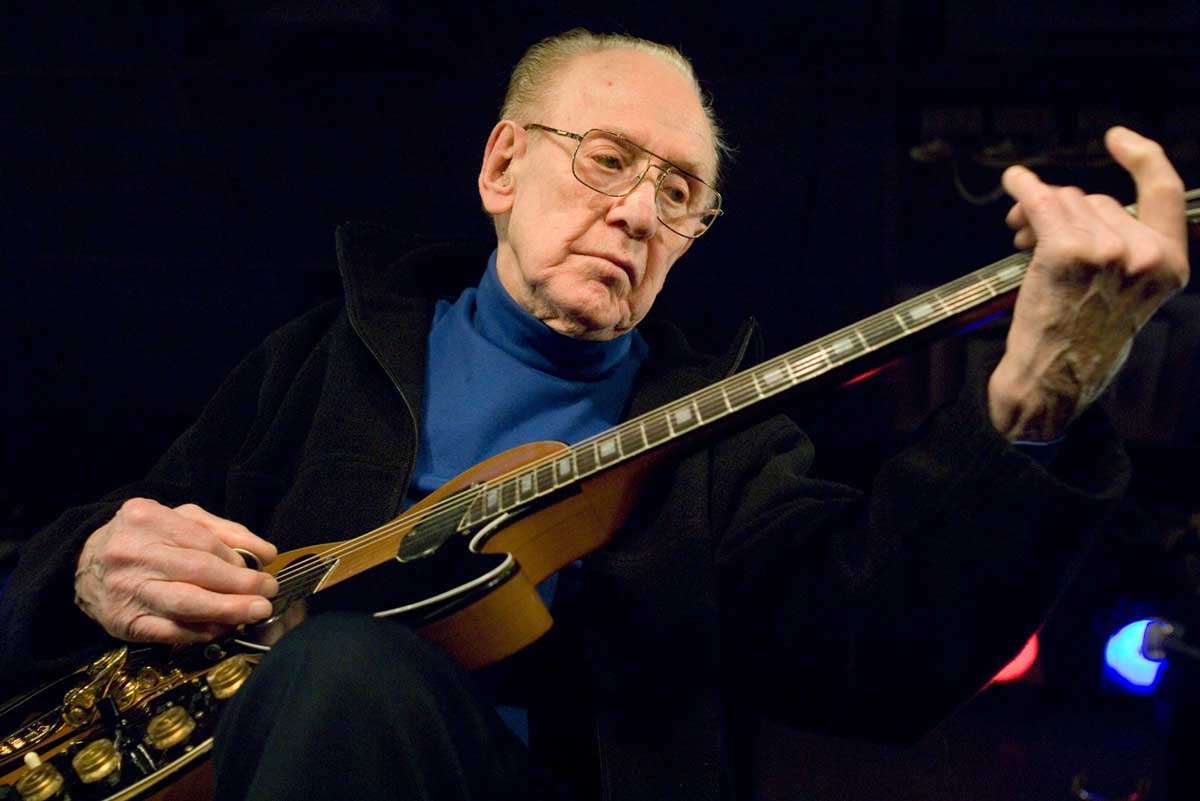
point(460, 567)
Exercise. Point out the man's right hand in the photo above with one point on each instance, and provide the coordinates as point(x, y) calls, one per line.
point(156, 574)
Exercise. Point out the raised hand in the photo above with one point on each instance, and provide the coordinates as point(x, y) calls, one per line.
point(1096, 277)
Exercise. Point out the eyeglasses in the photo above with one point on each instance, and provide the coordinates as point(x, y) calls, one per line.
point(612, 165)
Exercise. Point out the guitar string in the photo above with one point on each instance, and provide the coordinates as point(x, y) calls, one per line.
point(964, 293)
point(957, 301)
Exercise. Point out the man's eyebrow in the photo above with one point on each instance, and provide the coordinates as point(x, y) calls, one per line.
point(687, 165)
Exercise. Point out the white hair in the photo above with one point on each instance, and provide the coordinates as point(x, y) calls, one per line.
point(534, 75)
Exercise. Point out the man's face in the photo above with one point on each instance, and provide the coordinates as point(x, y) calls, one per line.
point(586, 264)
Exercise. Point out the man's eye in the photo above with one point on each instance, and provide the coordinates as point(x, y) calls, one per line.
point(675, 193)
point(608, 162)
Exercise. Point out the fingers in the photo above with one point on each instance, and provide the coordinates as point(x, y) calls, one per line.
point(149, 628)
point(1096, 276)
point(186, 603)
point(1147, 257)
point(141, 521)
point(1059, 218)
point(1161, 205)
point(232, 534)
point(169, 563)
point(1026, 189)
point(1159, 187)
point(171, 575)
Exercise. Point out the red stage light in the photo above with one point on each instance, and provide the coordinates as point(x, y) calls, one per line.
point(1021, 663)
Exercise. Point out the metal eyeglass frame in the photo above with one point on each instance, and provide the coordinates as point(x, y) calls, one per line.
point(670, 168)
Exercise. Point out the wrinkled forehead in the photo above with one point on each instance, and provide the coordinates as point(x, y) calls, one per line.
point(640, 96)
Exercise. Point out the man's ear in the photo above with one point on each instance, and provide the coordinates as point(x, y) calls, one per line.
point(496, 181)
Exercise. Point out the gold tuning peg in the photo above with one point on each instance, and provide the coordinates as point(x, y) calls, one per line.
point(169, 728)
point(40, 782)
point(97, 761)
point(228, 675)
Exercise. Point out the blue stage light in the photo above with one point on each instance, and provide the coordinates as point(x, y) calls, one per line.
point(1127, 664)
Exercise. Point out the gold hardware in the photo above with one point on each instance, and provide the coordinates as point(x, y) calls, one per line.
point(80, 705)
point(41, 782)
point(148, 678)
point(169, 728)
point(227, 677)
point(124, 691)
point(97, 760)
point(80, 702)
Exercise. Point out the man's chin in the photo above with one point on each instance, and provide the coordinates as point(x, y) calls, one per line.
point(590, 330)
point(597, 315)
point(585, 324)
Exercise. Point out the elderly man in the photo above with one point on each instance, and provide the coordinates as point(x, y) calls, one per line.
point(739, 583)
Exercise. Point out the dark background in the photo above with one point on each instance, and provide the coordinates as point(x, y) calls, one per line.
point(172, 176)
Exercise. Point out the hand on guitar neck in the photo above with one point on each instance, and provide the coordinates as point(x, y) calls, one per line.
point(1097, 276)
point(157, 574)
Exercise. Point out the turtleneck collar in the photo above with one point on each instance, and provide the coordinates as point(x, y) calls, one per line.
point(500, 320)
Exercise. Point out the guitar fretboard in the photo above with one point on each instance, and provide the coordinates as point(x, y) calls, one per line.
point(741, 391)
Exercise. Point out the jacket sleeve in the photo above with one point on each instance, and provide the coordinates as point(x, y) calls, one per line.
point(43, 630)
point(877, 614)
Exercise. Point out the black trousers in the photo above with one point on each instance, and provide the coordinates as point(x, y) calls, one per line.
point(354, 707)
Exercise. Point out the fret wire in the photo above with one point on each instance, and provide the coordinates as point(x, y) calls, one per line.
point(670, 429)
point(693, 415)
point(634, 430)
point(710, 405)
point(642, 433)
point(725, 397)
point(590, 451)
point(610, 442)
point(873, 328)
point(527, 478)
point(545, 476)
point(656, 425)
point(739, 387)
point(760, 380)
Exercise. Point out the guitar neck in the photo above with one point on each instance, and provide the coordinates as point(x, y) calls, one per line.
point(741, 395)
point(744, 394)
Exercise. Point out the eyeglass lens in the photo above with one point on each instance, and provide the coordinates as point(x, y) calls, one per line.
point(614, 165)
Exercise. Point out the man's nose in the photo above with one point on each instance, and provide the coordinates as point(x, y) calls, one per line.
point(637, 211)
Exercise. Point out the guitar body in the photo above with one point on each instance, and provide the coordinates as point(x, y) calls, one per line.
point(475, 595)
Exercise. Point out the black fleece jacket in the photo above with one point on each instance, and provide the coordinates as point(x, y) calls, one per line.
point(741, 583)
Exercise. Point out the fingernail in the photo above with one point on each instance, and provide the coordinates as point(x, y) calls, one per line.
point(260, 608)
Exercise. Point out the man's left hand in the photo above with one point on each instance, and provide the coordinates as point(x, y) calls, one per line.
point(1096, 277)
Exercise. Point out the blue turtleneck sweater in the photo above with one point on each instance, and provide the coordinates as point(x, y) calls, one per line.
point(497, 377)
